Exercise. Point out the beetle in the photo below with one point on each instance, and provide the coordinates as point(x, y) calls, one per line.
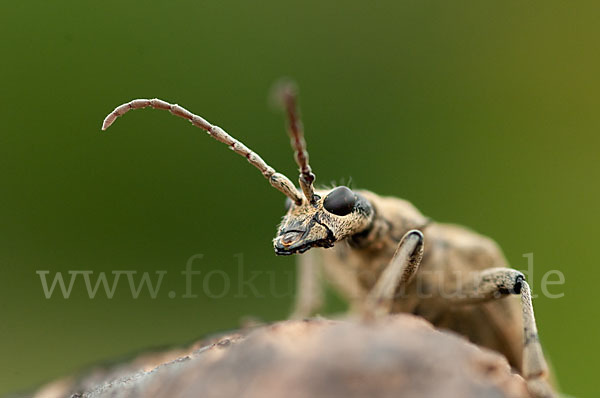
point(371, 248)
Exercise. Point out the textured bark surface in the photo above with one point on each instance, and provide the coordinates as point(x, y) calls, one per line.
point(399, 356)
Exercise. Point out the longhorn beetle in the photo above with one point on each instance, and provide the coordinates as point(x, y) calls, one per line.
point(377, 259)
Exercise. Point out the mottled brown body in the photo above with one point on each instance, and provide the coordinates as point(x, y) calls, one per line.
point(451, 253)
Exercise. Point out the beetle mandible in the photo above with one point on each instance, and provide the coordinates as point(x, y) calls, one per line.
point(377, 259)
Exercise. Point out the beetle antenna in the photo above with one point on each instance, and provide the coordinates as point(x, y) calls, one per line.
point(288, 95)
point(277, 180)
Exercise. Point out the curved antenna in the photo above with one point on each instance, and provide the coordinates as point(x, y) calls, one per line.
point(288, 94)
point(277, 180)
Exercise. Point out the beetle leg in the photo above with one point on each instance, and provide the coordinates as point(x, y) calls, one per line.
point(535, 368)
point(495, 283)
point(398, 272)
point(309, 288)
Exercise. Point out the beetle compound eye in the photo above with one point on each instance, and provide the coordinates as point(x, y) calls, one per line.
point(340, 201)
point(288, 204)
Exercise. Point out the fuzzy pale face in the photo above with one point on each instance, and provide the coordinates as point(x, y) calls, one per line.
point(337, 214)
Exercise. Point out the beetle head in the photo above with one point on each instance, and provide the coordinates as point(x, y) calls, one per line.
point(332, 216)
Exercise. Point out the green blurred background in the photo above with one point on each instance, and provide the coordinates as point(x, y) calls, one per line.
point(480, 113)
